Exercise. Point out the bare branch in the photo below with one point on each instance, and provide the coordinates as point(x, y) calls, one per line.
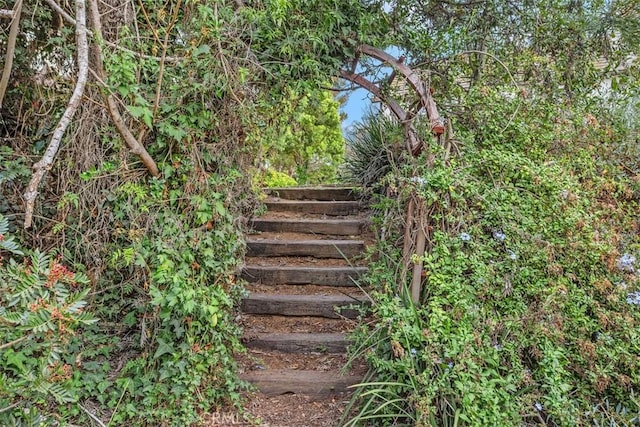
point(55, 6)
point(437, 124)
point(14, 342)
point(92, 416)
point(45, 163)
point(11, 49)
point(361, 81)
point(134, 145)
point(414, 144)
point(10, 407)
point(165, 45)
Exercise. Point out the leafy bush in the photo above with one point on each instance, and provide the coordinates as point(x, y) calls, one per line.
point(274, 178)
point(177, 245)
point(42, 307)
point(530, 308)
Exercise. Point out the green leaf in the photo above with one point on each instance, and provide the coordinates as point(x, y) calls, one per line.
point(142, 113)
point(163, 348)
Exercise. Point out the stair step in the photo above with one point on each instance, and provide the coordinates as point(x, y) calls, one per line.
point(311, 383)
point(314, 193)
point(313, 248)
point(298, 343)
point(338, 227)
point(300, 275)
point(339, 208)
point(301, 305)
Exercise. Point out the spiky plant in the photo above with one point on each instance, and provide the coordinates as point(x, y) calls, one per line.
point(373, 147)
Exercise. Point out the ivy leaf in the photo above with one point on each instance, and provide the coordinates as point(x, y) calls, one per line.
point(163, 348)
point(15, 359)
point(142, 113)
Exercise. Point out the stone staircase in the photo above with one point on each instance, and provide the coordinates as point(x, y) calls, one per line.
point(302, 259)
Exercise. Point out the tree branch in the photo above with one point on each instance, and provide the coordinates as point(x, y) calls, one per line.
point(11, 49)
point(5, 13)
point(414, 144)
point(437, 124)
point(45, 163)
point(12, 343)
point(55, 6)
point(134, 145)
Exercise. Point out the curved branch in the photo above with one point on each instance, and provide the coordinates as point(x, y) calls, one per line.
point(414, 144)
point(373, 89)
point(11, 49)
point(437, 124)
point(134, 145)
point(45, 163)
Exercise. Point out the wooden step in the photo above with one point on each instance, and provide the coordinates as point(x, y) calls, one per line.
point(314, 193)
point(301, 275)
point(297, 342)
point(314, 248)
point(331, 306)
point(316, 384)
point(314, 207)
point(337, 227)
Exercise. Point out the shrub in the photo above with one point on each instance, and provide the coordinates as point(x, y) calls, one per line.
point(529, 311)
point(42, 307)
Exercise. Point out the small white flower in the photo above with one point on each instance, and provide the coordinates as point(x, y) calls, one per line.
point(564, 194)
point(414, 351)
point(497, 347)
point(633, 298)
point(627, 262)
point(538, 406)
point(512, 255)
point(418, 180)
point(465, 237)
point(499, 236)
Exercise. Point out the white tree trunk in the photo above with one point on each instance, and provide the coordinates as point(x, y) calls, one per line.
point(40, 168)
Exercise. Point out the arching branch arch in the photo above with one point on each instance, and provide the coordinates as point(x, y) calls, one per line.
point(425, 100)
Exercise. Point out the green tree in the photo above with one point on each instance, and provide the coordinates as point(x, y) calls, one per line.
point(303, 136)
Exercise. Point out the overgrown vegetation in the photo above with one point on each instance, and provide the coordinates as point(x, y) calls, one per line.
point(529, 310)
point(530, 306)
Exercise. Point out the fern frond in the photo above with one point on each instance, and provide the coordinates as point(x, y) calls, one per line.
point(40, 261)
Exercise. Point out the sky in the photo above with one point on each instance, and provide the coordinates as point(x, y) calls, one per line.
point(359, 101)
